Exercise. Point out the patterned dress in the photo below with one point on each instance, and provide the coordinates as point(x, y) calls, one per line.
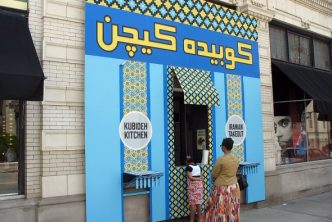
point(223, 205)
point(194, 188)
point(195, 192)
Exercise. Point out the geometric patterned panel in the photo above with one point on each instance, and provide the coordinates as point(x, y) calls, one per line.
point(199, 13)
point(177, 181)
point(197, 86)
point(234, 98)
point(135, 99)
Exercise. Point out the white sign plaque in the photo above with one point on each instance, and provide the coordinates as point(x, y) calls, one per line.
point(236, 129)
point(135, 130)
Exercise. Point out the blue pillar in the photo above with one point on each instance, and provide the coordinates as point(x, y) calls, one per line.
point(104, 200)
point(220, 113)
point(158, 113)
point(254, 139)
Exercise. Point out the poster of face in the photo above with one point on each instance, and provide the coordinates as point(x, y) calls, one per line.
point(283, 131)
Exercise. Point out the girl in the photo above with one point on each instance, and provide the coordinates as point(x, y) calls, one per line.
point(194, 188)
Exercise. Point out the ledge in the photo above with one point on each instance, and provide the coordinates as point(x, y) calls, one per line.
point(296, 167)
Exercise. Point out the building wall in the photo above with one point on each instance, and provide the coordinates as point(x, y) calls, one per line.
point(313, 16)
point(33, 125)
point(62, 135)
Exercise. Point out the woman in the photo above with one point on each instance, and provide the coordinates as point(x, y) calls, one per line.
point(194, 188)
point(224, 202)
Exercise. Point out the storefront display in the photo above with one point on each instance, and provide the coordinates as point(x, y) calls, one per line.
point(303, 108)
point(188, 66)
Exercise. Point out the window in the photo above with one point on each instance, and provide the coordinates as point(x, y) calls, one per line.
point(322, 54)
point(190, 129)
point(299, 49)
point(295, 46)
point(15, 4)
point(11, 153)
point(300, 134)
point(278, 43)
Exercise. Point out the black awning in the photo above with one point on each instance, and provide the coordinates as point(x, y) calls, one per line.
point(21, 75)
point(314, 82)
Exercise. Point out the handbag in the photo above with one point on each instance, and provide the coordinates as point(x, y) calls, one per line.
point(242, 180)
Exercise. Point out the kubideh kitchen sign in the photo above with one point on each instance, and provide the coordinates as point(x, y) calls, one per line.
point(135, 130)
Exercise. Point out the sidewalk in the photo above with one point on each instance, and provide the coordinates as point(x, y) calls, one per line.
point(317, 208)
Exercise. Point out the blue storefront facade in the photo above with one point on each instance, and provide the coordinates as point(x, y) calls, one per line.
point(134, 53)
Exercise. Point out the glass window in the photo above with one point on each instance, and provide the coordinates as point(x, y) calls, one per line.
point(299, 49)
point(300, 135)
point(290, 133)
point(319, 137)
point(190, 130)
point(15, 4)
point(322, 54)
point(9, 146)
point(278, 43)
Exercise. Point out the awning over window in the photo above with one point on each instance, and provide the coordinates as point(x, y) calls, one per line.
point(197, 86)
point(314, 82)
point(21, 76)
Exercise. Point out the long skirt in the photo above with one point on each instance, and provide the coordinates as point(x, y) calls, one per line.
point(223, 205)
point(195, 192)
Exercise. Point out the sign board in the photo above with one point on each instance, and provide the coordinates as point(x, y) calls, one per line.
point(135, 130)
point(236, 129)
point(201, 135)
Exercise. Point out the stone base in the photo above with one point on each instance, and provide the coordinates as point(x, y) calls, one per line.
point(64, 209)
point(294, 181)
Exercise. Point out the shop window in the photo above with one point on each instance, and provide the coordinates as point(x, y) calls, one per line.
point(299, 49)
point(190, 129)
point(278, 43)
point(11, 153)
point(322, 55)
point(299, 134)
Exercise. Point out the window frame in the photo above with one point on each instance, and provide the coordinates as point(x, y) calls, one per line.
point(310, 35)
point(184, 138)
point(21, 171)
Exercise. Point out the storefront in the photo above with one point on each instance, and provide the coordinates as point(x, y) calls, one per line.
point(301, 63)
point(21, 80)
point(188, 66)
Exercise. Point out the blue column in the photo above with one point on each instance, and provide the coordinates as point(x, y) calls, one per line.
point(158, 150)
point(102, 143)
point(254, 139)
point(220, 113)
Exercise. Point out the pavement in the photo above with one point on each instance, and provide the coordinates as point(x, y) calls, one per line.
point(317, 208)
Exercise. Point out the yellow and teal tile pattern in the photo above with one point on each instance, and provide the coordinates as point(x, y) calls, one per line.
point(197, 13)
point(177, 184)
point(234, 99)
point(197, 86)
point(134, 76)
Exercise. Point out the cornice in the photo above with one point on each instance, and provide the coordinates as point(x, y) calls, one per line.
point(257, 10)
point(324, 6)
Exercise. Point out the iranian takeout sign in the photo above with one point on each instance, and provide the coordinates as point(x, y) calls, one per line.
point(135, 130)
point(236, 129)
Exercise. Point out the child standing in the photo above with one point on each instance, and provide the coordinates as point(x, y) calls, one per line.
point(194, 188)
